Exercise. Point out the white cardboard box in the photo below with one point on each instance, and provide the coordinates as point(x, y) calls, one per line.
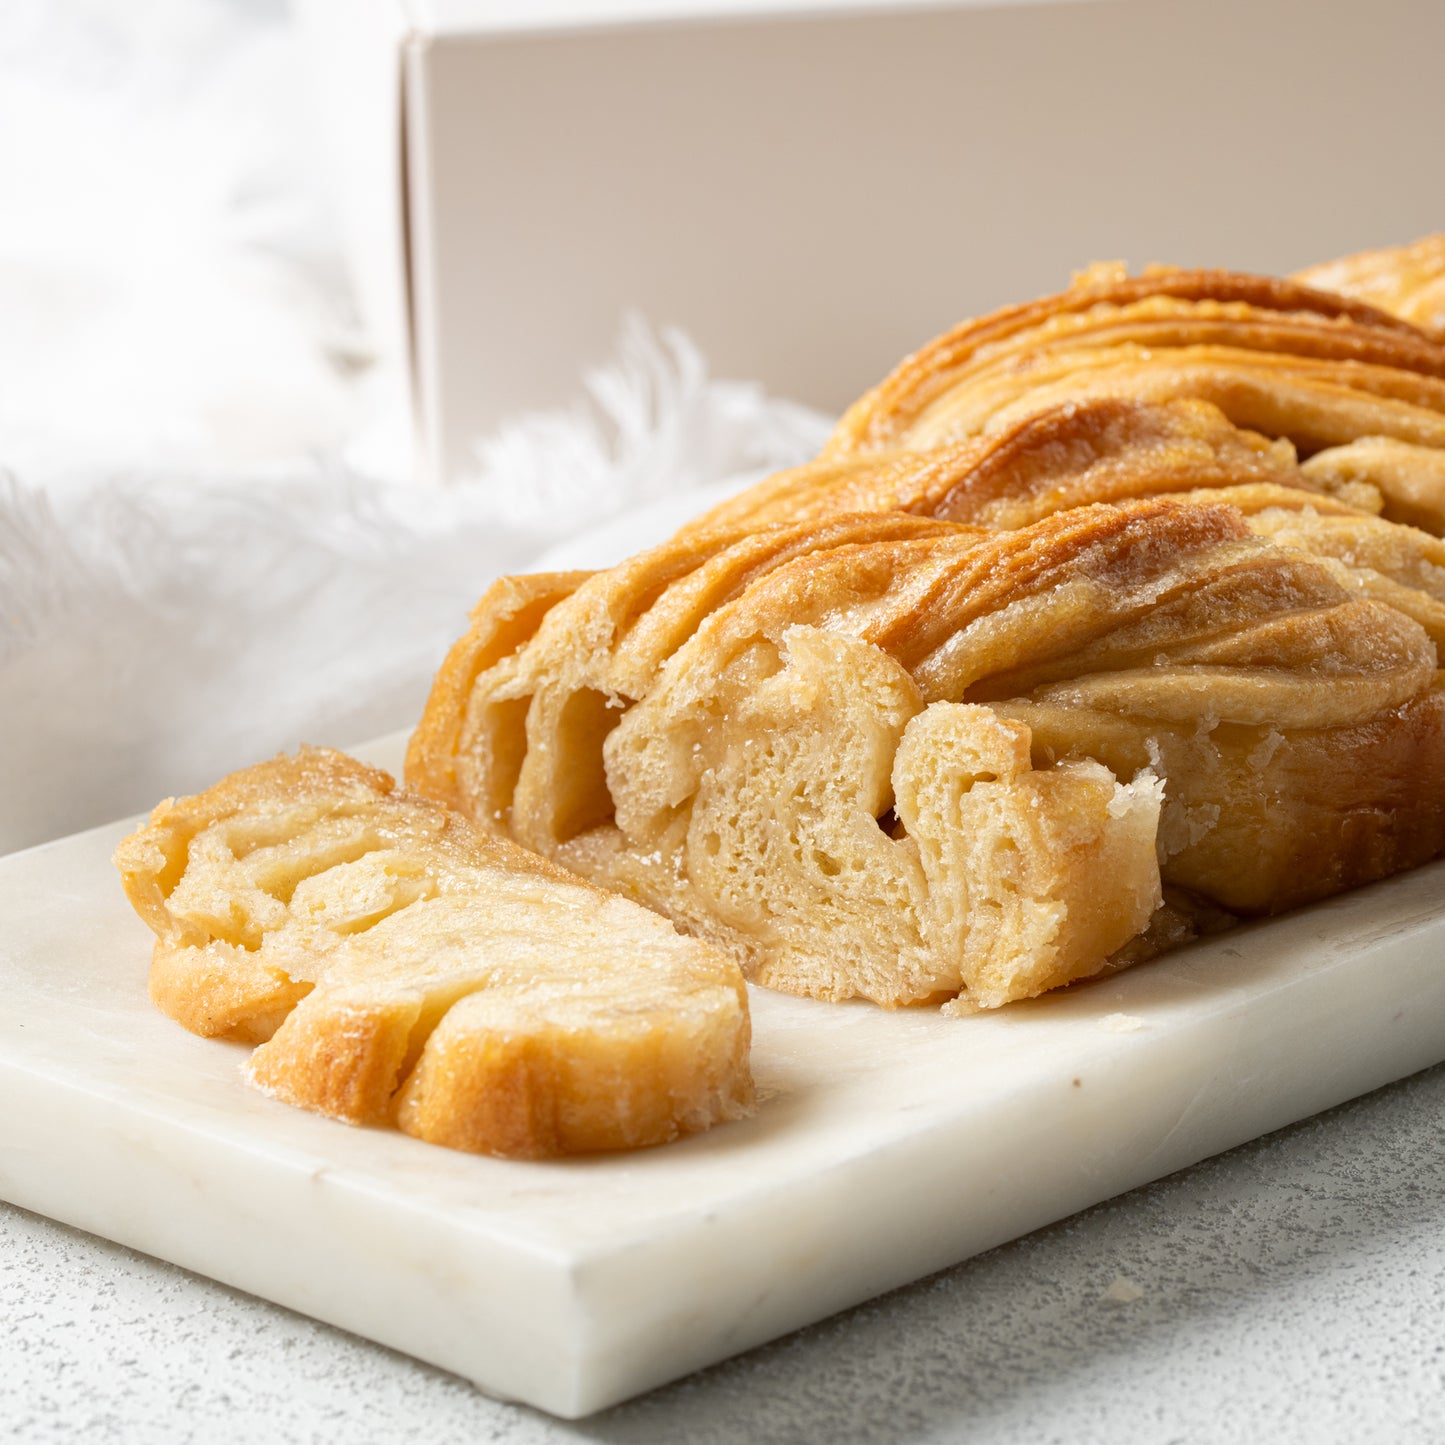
point(811, 189)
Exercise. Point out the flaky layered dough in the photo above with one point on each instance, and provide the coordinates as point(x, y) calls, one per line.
point(1290, 362)
point(1113, 450)
point(397, 965)
point(517, 744)
point(1407, 281)
point(845, 839)
point(831, 769)
point(1109, 449)
point(1282, 358)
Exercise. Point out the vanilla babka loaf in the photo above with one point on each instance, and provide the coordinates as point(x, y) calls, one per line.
point(398, 965)
point(1057, 655)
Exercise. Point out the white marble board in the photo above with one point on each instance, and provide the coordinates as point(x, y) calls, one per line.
point(887, 1145)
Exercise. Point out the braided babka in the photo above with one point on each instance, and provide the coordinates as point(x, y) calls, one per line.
point(1101, 621)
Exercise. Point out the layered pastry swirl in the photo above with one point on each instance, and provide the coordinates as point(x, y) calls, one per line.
point(396, 965)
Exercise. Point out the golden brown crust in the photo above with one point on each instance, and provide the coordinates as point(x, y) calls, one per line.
point(394, 962)
point(1263, 817)
point(1406, 281)
point(1276, 357)
point(505, 618)
point(1114, 449)
point(1107, 449)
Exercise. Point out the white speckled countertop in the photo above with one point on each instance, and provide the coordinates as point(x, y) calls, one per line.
point(1290, 1290)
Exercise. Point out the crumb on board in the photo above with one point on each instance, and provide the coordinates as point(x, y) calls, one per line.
point(1121, 1023)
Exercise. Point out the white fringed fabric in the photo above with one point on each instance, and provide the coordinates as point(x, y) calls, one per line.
point(202, 557)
